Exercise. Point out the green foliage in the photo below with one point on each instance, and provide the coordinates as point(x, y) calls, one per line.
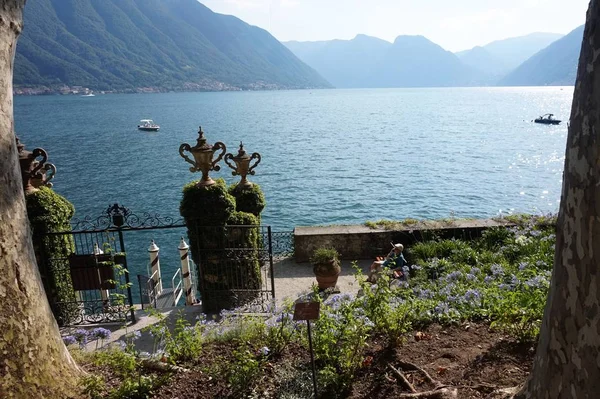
point(207, 210)
point(246, 368)
point(185, 343)
point(324, 255)
point(249, 199)
point(123, 363)
point(93, 386)
point(206, 205)
point(50, 212)
point(127, 367)
point(107, 45)
point(453, 250)
point(239, 218)
point(340, 338)
point(326, 261)
point(135, 388)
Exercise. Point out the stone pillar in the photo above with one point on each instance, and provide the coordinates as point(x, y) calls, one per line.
point(155, 266)
point(185, 272)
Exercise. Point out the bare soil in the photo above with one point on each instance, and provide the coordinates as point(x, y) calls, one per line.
point(469, 358)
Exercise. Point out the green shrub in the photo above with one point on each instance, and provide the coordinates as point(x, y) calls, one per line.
point(324, 255)
point(50, 212)
point(325, 261)
point(249, 199)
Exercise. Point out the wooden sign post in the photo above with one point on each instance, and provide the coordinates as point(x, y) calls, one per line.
point(309, 311)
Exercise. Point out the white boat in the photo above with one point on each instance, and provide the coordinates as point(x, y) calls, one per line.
point(88, 95)
point(148, 125)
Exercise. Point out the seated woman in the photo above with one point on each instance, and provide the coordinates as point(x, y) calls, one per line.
point(394, 261)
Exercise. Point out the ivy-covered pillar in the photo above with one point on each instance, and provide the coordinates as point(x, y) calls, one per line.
point(249, 199)
point(224, 237)
point(49, 212)
point(206, 210)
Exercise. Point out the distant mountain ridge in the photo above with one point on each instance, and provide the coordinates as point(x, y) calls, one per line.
point(502, 56)
point(365, 61)
point(415, 61)
point(170, 44)
point(554, 65)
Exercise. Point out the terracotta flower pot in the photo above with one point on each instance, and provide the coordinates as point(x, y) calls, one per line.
point(328, 281)
point(327, 273)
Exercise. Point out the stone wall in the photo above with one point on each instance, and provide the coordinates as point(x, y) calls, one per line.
point(362, 242)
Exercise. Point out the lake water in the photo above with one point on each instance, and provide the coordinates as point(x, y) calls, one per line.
point(328, 156)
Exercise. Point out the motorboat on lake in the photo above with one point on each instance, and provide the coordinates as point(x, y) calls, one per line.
point(148, 125)
point(547, 119)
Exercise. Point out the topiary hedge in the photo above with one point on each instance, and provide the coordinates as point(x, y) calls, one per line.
point(248, 199)
point(50, 212)
point(207, 205)
point(227, 257)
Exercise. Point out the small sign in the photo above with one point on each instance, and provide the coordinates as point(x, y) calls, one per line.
point(307, 311)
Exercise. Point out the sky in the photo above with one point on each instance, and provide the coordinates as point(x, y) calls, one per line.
point(453, 24)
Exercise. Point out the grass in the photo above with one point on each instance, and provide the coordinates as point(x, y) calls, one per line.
point(411, 223)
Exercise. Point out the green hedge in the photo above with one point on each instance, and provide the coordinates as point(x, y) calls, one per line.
point(50, 212)
point(249, 199)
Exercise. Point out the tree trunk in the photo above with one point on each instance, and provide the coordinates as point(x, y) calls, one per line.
point(34, 362)
point(567, 362)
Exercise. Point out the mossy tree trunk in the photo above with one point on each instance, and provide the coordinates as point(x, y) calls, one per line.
point(567, 362)
point(34, 362)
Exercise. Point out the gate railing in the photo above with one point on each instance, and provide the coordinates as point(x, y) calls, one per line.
point(177, 289)
point(91, 306)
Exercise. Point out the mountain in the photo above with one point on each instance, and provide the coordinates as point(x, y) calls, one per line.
point(344, 63)
point(554, 65)
point(482, 60)
point(411, 61)
point(501, 56)
point(168, 44)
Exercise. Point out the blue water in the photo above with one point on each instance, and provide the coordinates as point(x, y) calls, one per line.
point(328, 156)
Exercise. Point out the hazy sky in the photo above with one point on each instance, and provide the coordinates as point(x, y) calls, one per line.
point(453, 24)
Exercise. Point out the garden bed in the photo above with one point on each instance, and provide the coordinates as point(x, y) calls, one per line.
point(465, 321)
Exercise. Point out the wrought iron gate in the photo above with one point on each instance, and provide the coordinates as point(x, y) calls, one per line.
point(231, 271)
point(235, 266)
point(91, 283)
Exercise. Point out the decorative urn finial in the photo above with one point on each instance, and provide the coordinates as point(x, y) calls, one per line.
point(203, 157)
point(242, 165)
point(31, 167)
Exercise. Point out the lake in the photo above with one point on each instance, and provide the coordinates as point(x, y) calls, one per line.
point(328, 156)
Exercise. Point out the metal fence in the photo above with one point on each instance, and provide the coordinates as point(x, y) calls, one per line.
point(88, 283)
point(95, 269)
point(235, 266)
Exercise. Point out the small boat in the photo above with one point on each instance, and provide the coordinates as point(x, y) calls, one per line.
point(148, 125)
point(547, 119)
point(88, 95)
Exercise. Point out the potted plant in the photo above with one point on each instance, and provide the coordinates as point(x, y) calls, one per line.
point(326, 266)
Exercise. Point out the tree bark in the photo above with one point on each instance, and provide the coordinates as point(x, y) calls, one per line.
point(34, 362)
point(567, 362)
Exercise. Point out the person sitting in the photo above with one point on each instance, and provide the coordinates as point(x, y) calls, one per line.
point(394, 261)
